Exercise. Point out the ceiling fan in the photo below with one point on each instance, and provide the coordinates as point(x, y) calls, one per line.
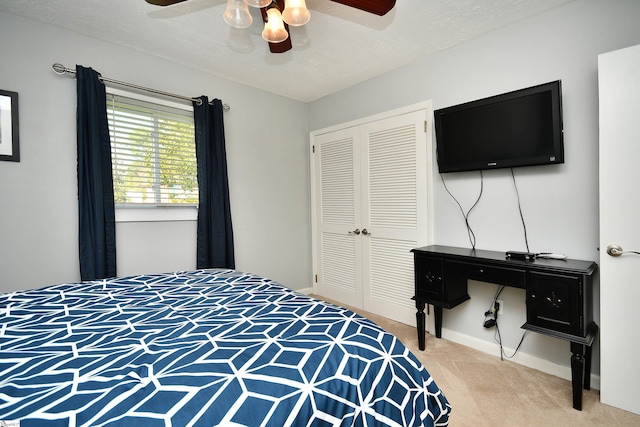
point(377, 7)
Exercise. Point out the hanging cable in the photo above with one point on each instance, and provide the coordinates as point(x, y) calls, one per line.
point(61, 69)
point(470, 233)
point(494, 322)
point(491, 315)
point(495, 297)
point(524, 226)
point(498, 339)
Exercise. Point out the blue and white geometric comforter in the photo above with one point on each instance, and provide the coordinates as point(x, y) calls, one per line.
point(202, 348)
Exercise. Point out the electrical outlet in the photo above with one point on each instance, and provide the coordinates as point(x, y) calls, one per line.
point(501, 304)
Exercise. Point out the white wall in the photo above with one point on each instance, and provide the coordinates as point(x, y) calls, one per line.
point(268, 167)
point(560, 202)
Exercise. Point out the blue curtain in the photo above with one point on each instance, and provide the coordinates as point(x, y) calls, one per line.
point(215, 233)
point(97, 226)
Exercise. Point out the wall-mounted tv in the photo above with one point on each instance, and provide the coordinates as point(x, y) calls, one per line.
point(519, 128)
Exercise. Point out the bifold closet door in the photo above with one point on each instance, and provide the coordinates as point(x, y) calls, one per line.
point(337, 236)
point(393, 211)
point(371, 210)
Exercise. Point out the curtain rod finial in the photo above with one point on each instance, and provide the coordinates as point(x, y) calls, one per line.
point(59, 68)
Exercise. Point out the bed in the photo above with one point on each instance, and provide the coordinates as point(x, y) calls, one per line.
point(202, 348)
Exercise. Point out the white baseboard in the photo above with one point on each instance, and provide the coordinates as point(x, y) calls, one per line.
point(306, 291)
point(520, 358)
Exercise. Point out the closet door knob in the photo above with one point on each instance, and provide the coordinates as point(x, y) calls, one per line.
point(356, 231)
point(365, 232)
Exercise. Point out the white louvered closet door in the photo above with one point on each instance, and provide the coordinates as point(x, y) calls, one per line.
point(394, 212)
point(338, 193)
point(371, 179)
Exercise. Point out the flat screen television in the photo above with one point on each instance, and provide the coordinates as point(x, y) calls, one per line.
point(519, 128)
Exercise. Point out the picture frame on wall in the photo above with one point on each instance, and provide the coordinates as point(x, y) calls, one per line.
point(9, 130)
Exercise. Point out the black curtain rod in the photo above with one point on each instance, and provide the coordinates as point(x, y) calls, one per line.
point(61, 69)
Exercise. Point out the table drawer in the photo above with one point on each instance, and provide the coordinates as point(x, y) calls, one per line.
point(513, 277)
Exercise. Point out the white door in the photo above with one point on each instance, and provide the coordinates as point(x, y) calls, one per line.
point(337, 229)
point(619, 90)
point(394, 212)
point(370, 209)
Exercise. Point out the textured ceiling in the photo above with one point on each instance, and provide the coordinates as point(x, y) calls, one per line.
point(338, 48)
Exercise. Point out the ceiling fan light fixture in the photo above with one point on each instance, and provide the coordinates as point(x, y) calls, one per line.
point(258, 3)
point(296, 13)
point(274, 30)
point(237, 14)
point(278, 15)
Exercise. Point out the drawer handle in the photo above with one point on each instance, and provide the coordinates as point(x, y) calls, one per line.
point(432, 278)
point(554, 301)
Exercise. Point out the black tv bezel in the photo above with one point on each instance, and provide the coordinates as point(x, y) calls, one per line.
point(554, 87)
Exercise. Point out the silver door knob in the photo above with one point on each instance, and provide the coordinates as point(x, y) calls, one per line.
point(616, 250)
point(356, 231)
point(365, 232)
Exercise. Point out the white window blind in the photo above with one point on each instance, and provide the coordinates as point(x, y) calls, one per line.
point(152, 152)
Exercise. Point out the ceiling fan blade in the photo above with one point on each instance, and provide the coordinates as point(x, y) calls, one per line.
point(164, 2)
point(377, 7)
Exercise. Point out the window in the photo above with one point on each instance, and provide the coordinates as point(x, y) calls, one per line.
point(152, 151)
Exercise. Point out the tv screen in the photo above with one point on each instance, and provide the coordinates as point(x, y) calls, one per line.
point(520, 128)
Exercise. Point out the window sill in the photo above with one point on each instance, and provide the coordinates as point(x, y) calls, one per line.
point(156, 213)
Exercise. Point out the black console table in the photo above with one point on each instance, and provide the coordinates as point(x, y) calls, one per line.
point(559, 300)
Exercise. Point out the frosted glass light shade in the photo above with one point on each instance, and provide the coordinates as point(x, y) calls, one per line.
point(274, 30)
point(296, 12)
point(258, 3)
point(237, 14)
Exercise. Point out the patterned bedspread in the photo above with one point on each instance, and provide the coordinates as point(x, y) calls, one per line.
point(202, 348)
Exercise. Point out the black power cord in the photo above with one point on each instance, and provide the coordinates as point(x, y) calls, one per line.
point(498, 339)
point(547, 255)
point(524, 226)
point(491, 315)
point(471, 234)
point(491, 320)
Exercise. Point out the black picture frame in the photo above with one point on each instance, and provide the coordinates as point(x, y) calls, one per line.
point(9, 126)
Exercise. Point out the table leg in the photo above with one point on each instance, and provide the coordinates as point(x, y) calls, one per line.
point(577, 374)
point(437, 313)
point(587, 368)
point(587, 360)
point(420, 324)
